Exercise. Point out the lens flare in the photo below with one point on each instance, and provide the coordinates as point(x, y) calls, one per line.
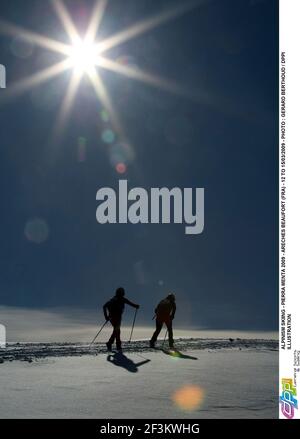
point(36, 230)
point(121, 168)
point(121, 153)
point(104, 116)
point(188, 398)
point(21, 48)
point(108, 136)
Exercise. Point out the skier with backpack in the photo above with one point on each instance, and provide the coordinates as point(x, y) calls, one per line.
point(164, 313)
point(113, 310)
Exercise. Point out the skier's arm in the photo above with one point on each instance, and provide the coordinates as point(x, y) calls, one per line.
point(128, 302)
point(105, 309)
point(173, 311)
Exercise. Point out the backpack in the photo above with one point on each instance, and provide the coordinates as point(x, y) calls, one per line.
point(115, 306)
point(164, 308)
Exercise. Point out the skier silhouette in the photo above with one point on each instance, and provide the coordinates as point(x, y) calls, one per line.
point(113, 310)
point(164, 312)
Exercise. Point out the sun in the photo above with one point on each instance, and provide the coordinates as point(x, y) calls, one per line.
point(86, 55)
point(83, 56)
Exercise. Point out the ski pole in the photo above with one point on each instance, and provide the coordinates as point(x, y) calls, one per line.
point(133, 325)
point(98, 332)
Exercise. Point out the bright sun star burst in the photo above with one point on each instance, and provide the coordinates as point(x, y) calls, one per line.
point(83, 56)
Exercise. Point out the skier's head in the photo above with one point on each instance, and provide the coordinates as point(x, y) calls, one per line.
point(171, 297)
point(120, 292)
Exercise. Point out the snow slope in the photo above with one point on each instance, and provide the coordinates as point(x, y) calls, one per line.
point(211, 379)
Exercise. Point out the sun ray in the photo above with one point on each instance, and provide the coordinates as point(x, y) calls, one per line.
point(146, 25)
point(96, 18)
point(104, 98)
point(83, 55)
point(142, 76)
point(66, 106)
point(202, 96)
point(31, 81)
point(40, 40)
point(66, 20)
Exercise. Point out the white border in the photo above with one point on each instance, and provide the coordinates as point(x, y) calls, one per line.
point(290, 44)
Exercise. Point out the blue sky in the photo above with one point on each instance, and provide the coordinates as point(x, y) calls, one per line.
point(225, 53)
